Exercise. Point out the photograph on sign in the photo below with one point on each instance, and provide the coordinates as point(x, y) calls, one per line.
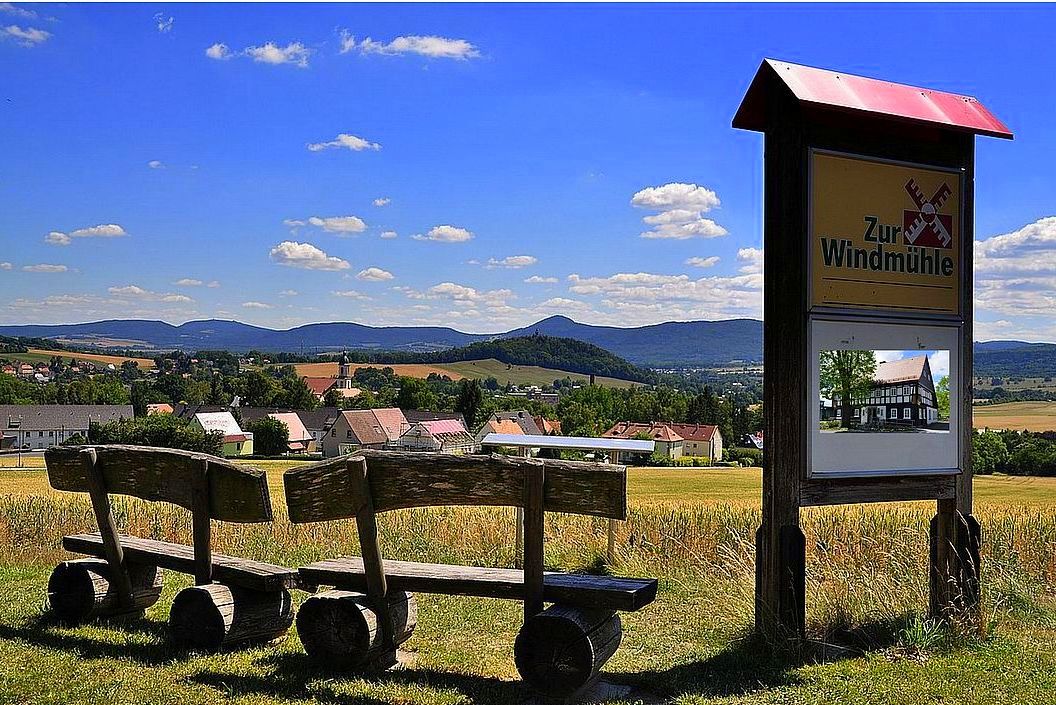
point(884, 235)
point(884, 391)
point(883, 398)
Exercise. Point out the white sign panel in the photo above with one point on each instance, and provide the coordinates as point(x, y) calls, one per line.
point(884, 399)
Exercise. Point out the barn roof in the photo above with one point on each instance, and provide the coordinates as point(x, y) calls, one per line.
point(907, 369)
point(845, 92)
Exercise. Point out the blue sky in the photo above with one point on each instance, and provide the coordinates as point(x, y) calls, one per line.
point(184, 162)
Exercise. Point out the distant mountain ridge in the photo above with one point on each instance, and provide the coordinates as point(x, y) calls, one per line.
point(663, 344)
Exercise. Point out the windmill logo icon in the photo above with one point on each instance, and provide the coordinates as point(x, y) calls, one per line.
point(926, 226)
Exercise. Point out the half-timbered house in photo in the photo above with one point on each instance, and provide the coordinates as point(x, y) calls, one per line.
point(902, 394)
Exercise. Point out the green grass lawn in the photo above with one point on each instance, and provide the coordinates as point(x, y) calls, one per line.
point(693, 528)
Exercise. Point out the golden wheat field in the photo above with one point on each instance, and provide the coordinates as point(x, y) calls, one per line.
point(1016, 416)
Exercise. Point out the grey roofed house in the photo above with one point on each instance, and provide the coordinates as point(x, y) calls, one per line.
point(47, 425)
point(416, 415)
point(522, 418)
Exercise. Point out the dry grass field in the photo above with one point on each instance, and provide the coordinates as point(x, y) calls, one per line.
point(473, 369)
point(35, 355)
point(693, 528)
point(1017, 416)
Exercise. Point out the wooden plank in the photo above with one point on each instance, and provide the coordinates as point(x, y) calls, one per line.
point(575, 589)
point(236, 493)
point(816, 493)
point(367, 528)
point(201, 528)
point(402, 479)
point(104, 517)
point(228, 570)
point(534, 487)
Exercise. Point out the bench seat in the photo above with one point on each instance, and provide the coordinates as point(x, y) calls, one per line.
point(572, 589)
point(240, 572)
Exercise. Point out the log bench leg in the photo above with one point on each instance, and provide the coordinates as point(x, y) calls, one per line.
point(82, 589)
point(340, 628)
point(215, 617)
point(560, 651)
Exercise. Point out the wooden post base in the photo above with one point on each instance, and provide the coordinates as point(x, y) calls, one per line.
point(954, 575)
point(781, 584)
point(82, 589)
point(559, 652)
point(214, 617)
point(341, 628)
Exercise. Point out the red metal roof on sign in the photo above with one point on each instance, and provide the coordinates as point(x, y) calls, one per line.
point(842, 91)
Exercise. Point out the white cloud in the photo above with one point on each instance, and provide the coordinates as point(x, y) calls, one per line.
point(536, 279)
point(27, 37)
point(512, 262)
point(1016, 273)
point(214, 284)
point(681, 207)
point(288, 292)
point(645, 297)
point(6, 266)
point(256, 304)
point(187, 281)
point(46, 268)
point(751, 259)
point(219, 51)
point(345, 141)
point(155, 164)
point(8, 8)
point(131, 291)
point(303, 255)
point(164, 24)
point(702, 262)
point(446, 233)
point(341, 224)
point(374, 274)
point(57, 238)
point(293, 223)
point(430, 46)
point(379, 202)
point(389, 235)
point(271, 53)
point(350, 294)
point(110, 230)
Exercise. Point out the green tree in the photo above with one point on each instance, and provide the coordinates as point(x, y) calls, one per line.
point(270, 436)
point(160, 430)
point(415, 394)
point(847, 374)
point(258, 388)
point(470, 399)
point(942, 397)
point(989, 453)
point(334, 398)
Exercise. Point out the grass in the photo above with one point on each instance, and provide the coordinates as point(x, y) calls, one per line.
point(867, 571)
point(519, 375)
point(1017, 416)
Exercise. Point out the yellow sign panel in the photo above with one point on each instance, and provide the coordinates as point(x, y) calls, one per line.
point(884, 236)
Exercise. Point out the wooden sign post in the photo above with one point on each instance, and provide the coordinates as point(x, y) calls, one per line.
point(867, 249)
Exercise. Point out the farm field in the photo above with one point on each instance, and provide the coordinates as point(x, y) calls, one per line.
point(694, 528)
point(1016, 416)
point(474, 369)
point(35, 355)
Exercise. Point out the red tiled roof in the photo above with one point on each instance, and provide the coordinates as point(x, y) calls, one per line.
point(694, 431)
point(653, 431)
point(319, 385)
point(547, 426)
point(365, 427)
point(392, 421)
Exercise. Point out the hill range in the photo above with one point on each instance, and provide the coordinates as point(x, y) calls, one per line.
point(695, 343)
point(672, 344)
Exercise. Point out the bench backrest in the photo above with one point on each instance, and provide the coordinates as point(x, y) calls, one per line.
point(373, 481)
point(236, 493)
point(404, 479)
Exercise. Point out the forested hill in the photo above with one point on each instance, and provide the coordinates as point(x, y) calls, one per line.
point(1010, 358)
point(563, 354)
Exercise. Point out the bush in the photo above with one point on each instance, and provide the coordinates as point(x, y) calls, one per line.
point(160, 430)
point(270, 436)
point(745, 457)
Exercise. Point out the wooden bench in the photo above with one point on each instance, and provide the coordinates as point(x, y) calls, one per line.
point(234, 601)
point(559, 650)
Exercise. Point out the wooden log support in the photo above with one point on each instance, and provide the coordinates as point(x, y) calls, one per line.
point(201, 529)
point(104, 517)
point(342, 628)
point(560, 651)
point(534, 483)
point(82, 589)
point(215, 617)
point(367, 526)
